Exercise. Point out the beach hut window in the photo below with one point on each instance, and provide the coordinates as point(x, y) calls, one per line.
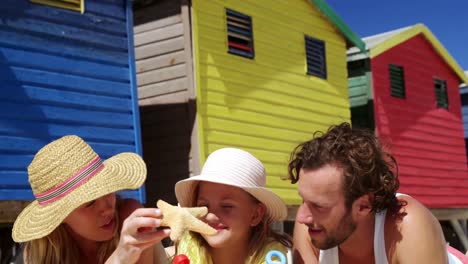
point(441, 93)
point(77, 5)
point(239, 33)
point(397, 81)
point(315, 55)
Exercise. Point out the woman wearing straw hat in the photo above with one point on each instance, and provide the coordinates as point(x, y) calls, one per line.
point(240, 208)
point(76, 217)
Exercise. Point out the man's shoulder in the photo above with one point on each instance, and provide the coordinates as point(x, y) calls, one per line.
point(413, 230)
point(412, 214)
point(412, 217)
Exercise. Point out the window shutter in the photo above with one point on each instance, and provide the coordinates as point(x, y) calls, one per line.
point(397, 81)
point(240, 36)
point(441, 93)
point(316, 59)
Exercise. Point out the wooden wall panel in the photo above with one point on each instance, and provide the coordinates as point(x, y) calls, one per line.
point(63, 72)
point(266, 105)
point(427, 141)
point(165, 92)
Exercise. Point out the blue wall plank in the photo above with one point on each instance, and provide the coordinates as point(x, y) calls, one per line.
point(114, 9)
point(105, 150)
point(63, 33)
point(465, 111)
point(14, 57)
point(18, 194)
point(22, 128)
point(27, 146)
point(19, 76)
point(35, 94)
point(14, 162)
point(66, 115)
point(42, 44)
point(11, 179)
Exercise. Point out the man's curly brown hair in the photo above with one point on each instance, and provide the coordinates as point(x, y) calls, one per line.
point(367, 168)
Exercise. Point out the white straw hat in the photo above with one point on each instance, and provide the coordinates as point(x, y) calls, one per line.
point(67, 173)
point(235, 167)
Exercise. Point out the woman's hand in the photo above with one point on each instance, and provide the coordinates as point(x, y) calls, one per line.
point(139, 232)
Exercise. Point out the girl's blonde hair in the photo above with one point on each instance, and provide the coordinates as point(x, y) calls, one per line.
point(262, 235)
point(60, 247)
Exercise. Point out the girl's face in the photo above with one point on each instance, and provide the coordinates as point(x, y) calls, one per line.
point(93, 221)
point(231, 211)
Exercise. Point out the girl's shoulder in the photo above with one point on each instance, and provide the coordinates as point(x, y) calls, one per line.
point(275, 245)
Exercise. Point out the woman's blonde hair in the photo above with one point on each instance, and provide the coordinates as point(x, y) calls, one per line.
point(60, 247)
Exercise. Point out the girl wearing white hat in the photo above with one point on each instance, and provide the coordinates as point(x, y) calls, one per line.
point(240, 208)
point(76, 217)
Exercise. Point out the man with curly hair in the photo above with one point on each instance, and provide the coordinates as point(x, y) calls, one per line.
point(351, 212)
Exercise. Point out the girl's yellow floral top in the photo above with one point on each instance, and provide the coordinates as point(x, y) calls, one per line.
point(190, 247)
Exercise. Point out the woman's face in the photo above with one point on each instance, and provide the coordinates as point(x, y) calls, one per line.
point(93, 221)
point(231, 211)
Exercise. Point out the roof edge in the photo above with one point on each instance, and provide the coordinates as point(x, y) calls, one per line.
point(410, 33)
point(340, 24)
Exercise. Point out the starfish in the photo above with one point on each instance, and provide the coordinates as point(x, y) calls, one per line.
point(182, 219)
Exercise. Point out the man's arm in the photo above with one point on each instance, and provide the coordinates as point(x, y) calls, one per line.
point(422, 239)
point(303, 250)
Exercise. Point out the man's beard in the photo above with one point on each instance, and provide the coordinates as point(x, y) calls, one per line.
point(345, 228)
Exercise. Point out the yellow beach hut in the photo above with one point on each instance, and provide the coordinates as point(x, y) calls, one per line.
point(257, 75)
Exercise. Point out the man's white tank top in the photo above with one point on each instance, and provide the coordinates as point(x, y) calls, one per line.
point(330, 256)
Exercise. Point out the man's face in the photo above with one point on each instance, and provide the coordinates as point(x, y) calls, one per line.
point(323, 209)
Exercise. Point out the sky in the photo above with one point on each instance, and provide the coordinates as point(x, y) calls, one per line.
point(447, 20)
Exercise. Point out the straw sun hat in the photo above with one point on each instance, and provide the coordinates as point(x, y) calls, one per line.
point(234, 167)
point(67, 173)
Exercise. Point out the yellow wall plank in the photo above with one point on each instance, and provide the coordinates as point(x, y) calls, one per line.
point(254, 142)
point(255, 130)
point(269, 108)
point(237, 80)
point(266, 156)
point(320, 85)
point(270, 120)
